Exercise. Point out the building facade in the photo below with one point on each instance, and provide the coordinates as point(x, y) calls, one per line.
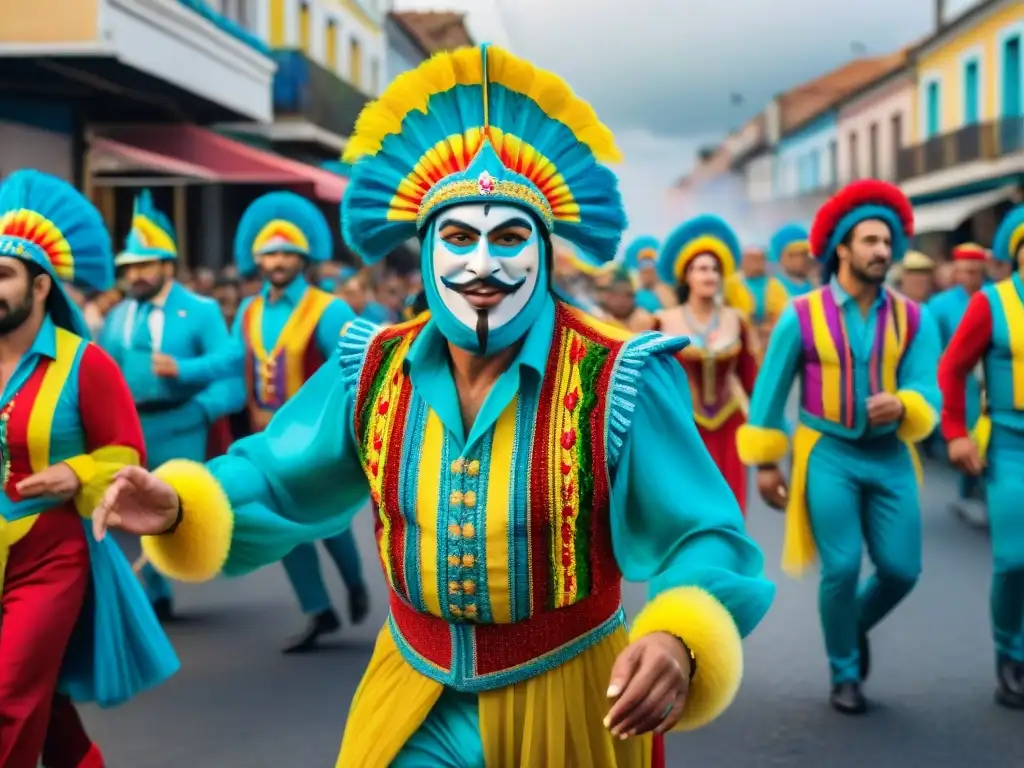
point(874, 125)
point(965, 165)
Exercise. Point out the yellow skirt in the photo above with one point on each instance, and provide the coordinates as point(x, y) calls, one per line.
point(553, 719)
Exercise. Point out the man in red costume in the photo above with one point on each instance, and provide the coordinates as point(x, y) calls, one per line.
point(74, 623)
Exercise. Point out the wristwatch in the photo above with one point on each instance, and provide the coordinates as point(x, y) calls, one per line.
point(179, 518)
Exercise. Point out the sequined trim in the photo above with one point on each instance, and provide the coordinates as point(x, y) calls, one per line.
point(501, 191)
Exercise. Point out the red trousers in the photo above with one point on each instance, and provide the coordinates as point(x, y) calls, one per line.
point(44, 589)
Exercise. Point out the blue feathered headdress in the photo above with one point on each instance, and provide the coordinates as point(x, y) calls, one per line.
point(480, 125)
point(702, 234)
point(789, 236)
point(1010, 236)
point(151, 237)
point(644, 248)
point(281, 222)
point(48, 222)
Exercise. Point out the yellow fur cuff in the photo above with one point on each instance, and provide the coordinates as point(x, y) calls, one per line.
point(708, 629)
point(758, 445)
point(919, 418)
point(197, 550)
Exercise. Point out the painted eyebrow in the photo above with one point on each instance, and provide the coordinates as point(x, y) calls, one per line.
point(516, 222)
point(459, 224)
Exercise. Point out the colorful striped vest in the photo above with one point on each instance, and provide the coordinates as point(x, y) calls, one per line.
point(500, 564)
point(1004, 362)
point(273, 376)
point(828, 375)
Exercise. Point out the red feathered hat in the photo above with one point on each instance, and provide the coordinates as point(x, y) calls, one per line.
point(969, 252)
point(857, 202)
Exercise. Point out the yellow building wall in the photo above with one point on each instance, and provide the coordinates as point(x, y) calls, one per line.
point(277, 23)
point(51, 21)
point(946, 61)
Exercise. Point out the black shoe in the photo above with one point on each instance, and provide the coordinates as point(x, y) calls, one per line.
point(847, 698)
point(1009, 683)
point(163, 607)
point(864, 649)
point(358, 605)
point(323, 623)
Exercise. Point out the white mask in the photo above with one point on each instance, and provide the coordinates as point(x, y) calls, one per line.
point(495, 251)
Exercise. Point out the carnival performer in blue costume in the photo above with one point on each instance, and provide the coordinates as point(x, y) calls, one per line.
point(866, 359)
point(790, 253)
point(641, 259)
point(287, 331)
point(76, 625)
point(948, 309)
point(991, 332)
point(516, 451)
point(755, 294)
point(174, 349)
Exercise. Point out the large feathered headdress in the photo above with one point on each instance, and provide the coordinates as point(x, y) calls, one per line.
point(1010, 236)
point(786, 237)
point(151, 237)
point(702, 234)
point(281, 222)
point(643, 250)
point(853, 204)
point(46, 221)
point(480, 125)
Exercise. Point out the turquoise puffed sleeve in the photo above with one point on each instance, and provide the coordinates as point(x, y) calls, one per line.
point(763, 439)
point(676, 525)
point(297, 481)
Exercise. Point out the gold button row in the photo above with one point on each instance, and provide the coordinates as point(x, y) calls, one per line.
point(467, 531)
point(469, 612)
point(462, 587)
point(467, 499)
point(466, 561)
point(471, 468)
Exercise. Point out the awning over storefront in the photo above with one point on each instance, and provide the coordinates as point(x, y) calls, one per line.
point(204, 156)
point(947, 215)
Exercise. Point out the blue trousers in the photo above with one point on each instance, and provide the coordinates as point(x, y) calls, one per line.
point(1005, 491)
point(448, 738)
point(861, 493)
point(303, 568)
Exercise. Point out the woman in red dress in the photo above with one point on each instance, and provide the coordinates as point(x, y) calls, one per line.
point(721, 361)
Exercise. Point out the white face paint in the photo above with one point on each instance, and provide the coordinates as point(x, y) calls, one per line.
point(486, 260)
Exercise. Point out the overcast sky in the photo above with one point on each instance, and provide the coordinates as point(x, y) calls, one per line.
point(661, 72)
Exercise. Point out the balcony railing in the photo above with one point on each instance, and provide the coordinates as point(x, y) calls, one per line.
point(229, 26)
point(303, 88)
point(982, 141)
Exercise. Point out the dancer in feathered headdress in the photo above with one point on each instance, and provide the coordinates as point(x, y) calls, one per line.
point(790, 252)
point(175, 351)
point(69, 426)
point(641, 259)
point(499, 626)
point(287, 331)
point(991, 334)
point(698, 257)
point(866, 360)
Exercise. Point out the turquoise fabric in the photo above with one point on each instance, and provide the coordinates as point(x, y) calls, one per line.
point(648, 300)
point(758, 287)
point(448, 738)
point(783, 361)
point(1005, 489)
point(793, 286)
point(300, 479)
point(276, 314)
point(302, 566)
point(209, 385)
point(119, 649)
point(999, 363)
point(861, 493)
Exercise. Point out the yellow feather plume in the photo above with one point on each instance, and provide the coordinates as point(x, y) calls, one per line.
point(412, 91)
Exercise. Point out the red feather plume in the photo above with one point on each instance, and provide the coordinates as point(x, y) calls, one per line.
point(854, 195)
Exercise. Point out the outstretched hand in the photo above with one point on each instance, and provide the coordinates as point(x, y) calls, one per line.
point(136, 502)
point(649, 682)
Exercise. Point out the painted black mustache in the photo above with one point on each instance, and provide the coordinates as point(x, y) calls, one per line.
point(490, 281)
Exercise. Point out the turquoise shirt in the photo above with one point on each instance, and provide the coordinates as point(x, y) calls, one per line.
point(758, 287)
point(191, 329)
point(947, 308)
point(301, 478)
point(999, 362)
point(793, 286)
point(120, 649)
point(783, 362)
point(646, 299)
point(276, 314)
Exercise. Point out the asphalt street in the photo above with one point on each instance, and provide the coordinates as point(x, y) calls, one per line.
point(238, 702)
